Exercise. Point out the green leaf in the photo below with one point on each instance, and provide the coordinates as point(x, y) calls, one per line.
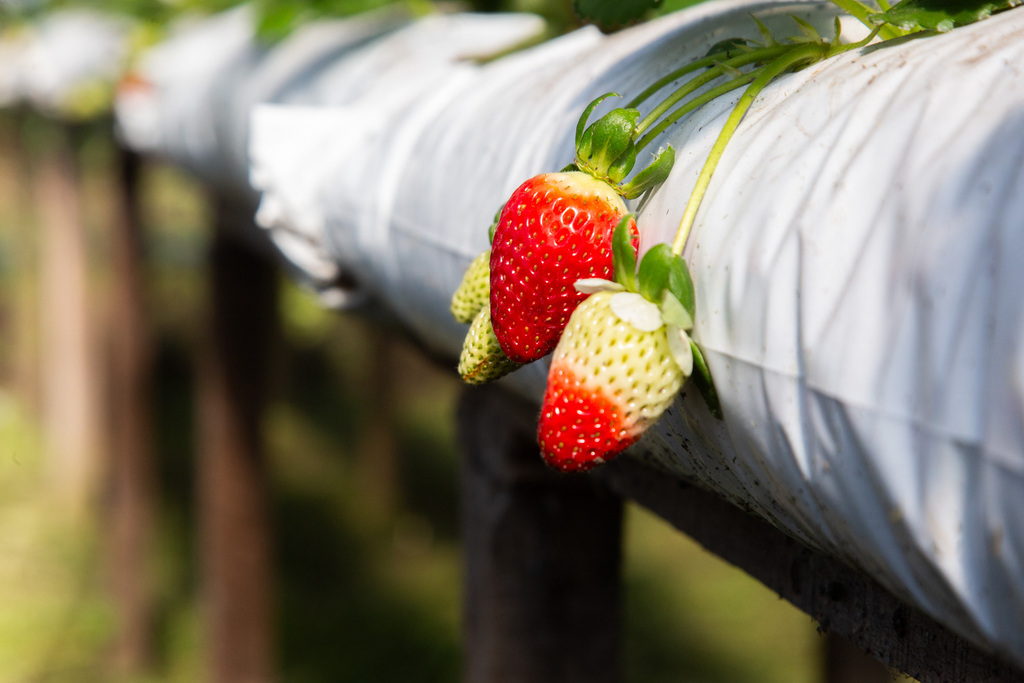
point(727, 48)
point(621, 167)
point(939, 15)
point(494, 225)
point(680, 284)
point(654, 272)
point(652, 176)
point(810, 34)
point(768, 40)
point(837, 30)
point(581, 125)
point(613, 14)
point(623, 254)
point(705, 384)
point(661, 271)
point(277, 20)
point(674, 313)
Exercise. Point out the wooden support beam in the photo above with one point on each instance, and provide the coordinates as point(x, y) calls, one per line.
point(233, 481)
point(842, 599)
point(542, 556)
point(130, 509)
point(71, 394)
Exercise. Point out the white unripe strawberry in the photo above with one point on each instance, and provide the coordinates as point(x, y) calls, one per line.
point(613, 373)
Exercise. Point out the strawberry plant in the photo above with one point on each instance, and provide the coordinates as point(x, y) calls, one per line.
point(555, 229)
point(562, 278)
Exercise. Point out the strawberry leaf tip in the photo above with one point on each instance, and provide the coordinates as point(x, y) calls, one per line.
point(728, 48)
point(674, 313)
point(679, 345)
point(632, 308)
point(624, 254)
point(593, 285)
point(663, 271)
point(705, 384)
point(581, 125)
point(650, 177)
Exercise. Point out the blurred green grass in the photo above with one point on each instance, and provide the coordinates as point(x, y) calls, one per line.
point(367, 559)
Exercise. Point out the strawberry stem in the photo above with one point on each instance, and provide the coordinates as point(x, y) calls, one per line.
point(795, 56)
point(714, 67)
point(862, 13)
point(685, 109)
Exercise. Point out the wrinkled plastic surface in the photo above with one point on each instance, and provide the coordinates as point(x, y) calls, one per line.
point(858, 264)
point(199, 86)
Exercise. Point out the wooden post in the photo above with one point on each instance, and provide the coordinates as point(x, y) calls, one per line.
point(233, 486)
point(847, 663)
point(20, 296)
point(377, 454)
point(71, 405)
point(542, 556)
point(130, 505)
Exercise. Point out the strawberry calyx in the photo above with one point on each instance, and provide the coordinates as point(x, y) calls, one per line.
point(663, 277)
point(607, 150)
point(661, 287)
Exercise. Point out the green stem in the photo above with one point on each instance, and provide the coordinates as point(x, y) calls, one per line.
point(713, 71)
point(705, 62)
point(856, 9)
point(797, 55)
point(682, 111)
point(862, 13)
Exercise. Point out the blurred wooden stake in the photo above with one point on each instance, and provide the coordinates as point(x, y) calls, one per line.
point(378, 443)
point(132, 488)
point(71, 405)
point(542, 556)
point(16, 218)
point(847, 663)
point(233, 480)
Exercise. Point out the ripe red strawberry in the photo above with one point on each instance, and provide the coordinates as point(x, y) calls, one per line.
point(614, 372)
point(555, 229)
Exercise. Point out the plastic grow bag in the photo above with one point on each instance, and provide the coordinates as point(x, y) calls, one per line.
point(190, 97)
point(858, 264)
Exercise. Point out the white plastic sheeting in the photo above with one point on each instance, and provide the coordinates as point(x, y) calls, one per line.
point(200, 85)
point(858, 260)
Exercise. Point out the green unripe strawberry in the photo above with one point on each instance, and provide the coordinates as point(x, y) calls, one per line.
point(475, 290)
point(482, 359)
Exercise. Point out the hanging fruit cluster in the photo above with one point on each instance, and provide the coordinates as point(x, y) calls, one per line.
point(562, 275)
